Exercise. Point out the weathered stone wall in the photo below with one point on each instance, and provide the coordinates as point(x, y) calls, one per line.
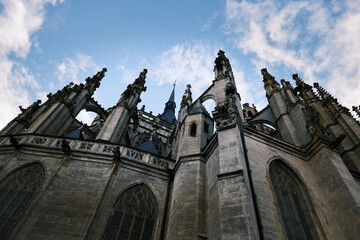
point(333, 195)
point(66, 205)
point(128, 176)
point(237, 216)
point(187, 207)
point(212, 196)
point(79, 192)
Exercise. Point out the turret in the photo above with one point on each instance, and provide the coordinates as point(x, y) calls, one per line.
point(195, 130)
point(116, 124)
point(228, 111)
point(287, 110)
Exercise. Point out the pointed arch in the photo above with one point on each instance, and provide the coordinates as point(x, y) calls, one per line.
point(296, 209)
point(16, 193)
point(134, 215)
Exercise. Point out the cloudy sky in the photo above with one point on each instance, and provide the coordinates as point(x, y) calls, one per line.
point(46, 44)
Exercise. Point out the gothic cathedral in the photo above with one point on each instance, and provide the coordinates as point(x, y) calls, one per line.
point(288, 171)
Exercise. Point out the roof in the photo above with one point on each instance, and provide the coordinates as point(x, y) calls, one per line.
point(148, 146)
point(77, 134)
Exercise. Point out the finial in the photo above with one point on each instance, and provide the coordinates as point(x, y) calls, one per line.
point(221, 52)
point(321, 91)
point(357, 110)
point(297, 79)
point(266, 75)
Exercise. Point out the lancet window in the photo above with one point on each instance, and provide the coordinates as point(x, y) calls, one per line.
point(16, 193)
point(134, 215)
point(293, 203)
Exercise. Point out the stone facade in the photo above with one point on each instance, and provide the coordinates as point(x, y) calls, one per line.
point(288, 171)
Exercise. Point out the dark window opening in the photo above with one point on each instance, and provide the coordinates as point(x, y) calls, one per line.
point(206, 127)
point(193, 130)
point(134, 215)
point(16, 192)
point(250, 114)
point(292, 204)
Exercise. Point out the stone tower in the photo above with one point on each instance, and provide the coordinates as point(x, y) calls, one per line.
point(288, 171)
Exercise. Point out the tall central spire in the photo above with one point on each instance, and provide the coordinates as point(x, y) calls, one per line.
point(169, 111)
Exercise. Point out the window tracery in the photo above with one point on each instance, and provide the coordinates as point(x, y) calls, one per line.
point(294, 208)
point(16, 192)
point(134, 215)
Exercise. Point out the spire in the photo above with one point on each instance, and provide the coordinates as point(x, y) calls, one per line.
point(222, 66)
point(172, 96)
point(330, 102)
point(187, 98)
point(169, 111)
point(93, 83)
point(270, 83)
point(304, 89)
point(322, 92)
point(132, 90)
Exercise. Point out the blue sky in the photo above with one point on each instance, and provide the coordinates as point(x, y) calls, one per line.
point(47, 44)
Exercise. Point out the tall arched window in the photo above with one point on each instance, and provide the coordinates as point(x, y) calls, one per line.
point(134, 215)
point(16, 192)
point(293, 202)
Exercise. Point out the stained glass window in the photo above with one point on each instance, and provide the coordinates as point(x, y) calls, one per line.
point(292, 201)
point(16, 192)
point(134, 215)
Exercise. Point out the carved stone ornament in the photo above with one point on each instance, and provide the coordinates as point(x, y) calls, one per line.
point(66, 147)
point(224, 115)
point(86, 146)
point(230, 89)
point(117, 155)
point(160, 162)
point(187, 97)
point(222, 65)
point(14, 141)
point(38, 140)
point(313, 122)
point(108, 149)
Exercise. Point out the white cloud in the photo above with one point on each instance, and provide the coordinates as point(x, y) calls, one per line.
point(210, 20)
point(69, 69)
point(191, 62)
point(320, 41)
point(127, 75)
point(186, 63)
point(19, 20)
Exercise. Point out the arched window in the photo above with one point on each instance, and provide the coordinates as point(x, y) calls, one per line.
point(16, 192)
point(193, 129)
point(134, 215)
point(293, 203)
